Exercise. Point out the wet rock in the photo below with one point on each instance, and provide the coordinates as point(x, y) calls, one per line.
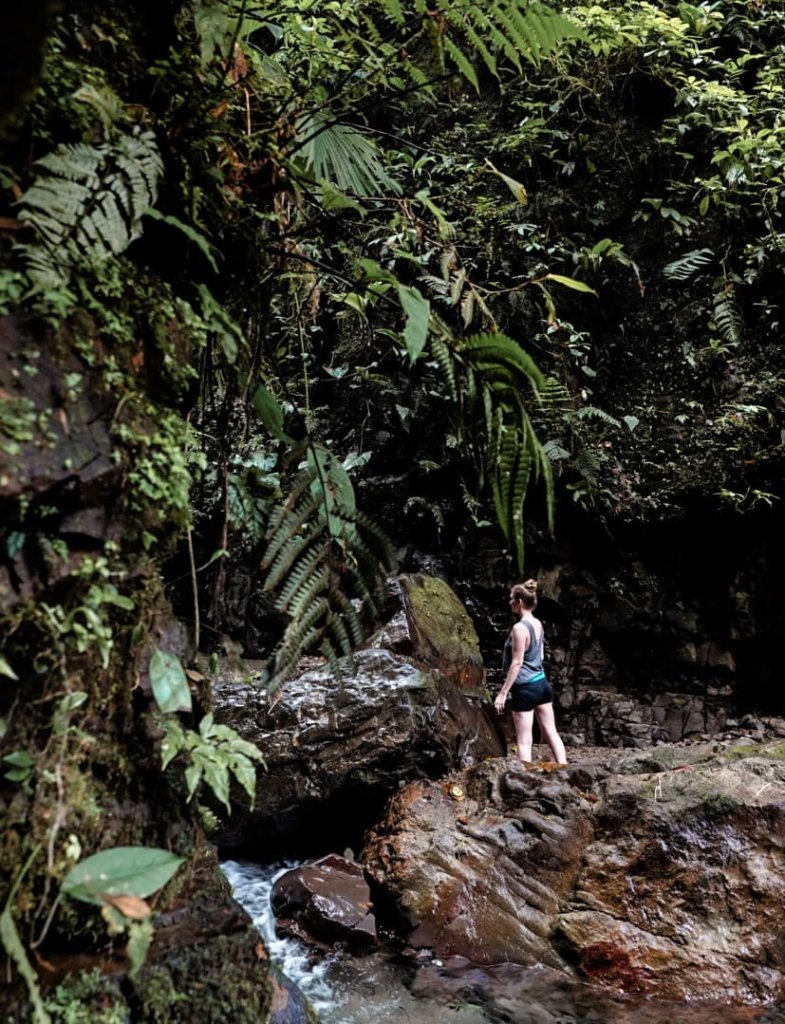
point(659, 874)
point(542, 995)
point(433, 627)
point(325, 903)
point(337, 748)
point(482, 877)
point(680, 893)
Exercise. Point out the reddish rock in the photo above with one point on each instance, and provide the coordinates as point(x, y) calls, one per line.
point(326, 903)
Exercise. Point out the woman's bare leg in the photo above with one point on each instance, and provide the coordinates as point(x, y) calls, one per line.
point(547, 724)
point(523, 722)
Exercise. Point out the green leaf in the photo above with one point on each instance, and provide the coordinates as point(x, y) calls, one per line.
point(121, 871)
point(517, 188)
point(270, 413)
point(173, 741)
point(140, 935)
point(570, 282)
point(16, 951)
point(417, 309)
point(631, 421)
point(190, 233)
point(334, 199)
point(167, 678)
point(6, 670)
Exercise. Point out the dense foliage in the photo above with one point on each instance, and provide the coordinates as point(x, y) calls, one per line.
point(334, 274)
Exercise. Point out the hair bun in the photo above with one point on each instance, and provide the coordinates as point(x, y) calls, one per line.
point(530, 586)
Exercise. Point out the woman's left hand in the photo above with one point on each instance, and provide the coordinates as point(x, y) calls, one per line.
point(499, 703)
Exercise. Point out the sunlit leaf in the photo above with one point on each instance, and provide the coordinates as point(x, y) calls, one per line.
point(121, 871)
point(169, 683)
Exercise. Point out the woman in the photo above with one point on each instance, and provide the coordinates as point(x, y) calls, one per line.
point(525, 682)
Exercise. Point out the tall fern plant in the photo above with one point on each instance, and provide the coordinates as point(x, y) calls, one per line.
point(324, 560)
point(492, 381)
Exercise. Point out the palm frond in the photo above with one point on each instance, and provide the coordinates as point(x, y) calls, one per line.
point(343, 156)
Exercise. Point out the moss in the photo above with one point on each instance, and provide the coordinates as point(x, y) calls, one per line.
point(87, 998)
point(212, 982)
point(772, 751)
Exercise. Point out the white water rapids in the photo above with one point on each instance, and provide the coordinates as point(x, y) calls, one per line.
point(342, 989)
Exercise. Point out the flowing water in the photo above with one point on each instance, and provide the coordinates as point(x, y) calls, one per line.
point(342, 989)
point(378, 989)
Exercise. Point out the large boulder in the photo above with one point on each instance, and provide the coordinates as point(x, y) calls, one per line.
point(478, 863)
point(659, 875)
point(337, 748)
point(433, 627)
point(326, 903)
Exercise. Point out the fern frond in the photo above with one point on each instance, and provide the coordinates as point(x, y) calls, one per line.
point(690, 263)
point(441, 354)
point(500, 351)
point(519, 29)
point(728, 318)
point(87, 204)
point(327, 555)
point(588, 465)
point(593, 412)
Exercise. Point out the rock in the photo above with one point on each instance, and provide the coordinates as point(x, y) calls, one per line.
point(658, 874)
point(325, 903)
point(680, 893)
point(337, 749)
point(482, 878)
point(433, 627)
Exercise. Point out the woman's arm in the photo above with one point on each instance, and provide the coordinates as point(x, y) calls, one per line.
point(520, 641)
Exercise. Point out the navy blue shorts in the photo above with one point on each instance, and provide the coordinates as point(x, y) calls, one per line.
point(529, 695)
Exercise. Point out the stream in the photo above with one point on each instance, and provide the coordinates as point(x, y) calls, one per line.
point(377, 989)
point(341, 989)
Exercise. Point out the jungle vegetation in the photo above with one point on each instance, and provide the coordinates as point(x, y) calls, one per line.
point(334, 274)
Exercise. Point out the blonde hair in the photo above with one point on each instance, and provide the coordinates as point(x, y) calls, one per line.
point(527, 593)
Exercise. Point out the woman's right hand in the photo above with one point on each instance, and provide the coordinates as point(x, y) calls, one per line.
point(499, 703)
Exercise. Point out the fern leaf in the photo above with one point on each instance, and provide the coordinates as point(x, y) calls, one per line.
point(462, 62)
point(443, 357)
point(728, 318)
point(327, 554)
point(87, 204)
point(689, 264)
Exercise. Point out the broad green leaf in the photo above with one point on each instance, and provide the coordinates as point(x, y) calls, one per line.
point(570, 282)
point(173, 741)
point(631, 421)
point(193, 776)
point(245, 773)
point(270, 413)
point(375, 272)
point(216, 775)
point(170, 686)
point(417, 309)
point(121, 871)
point(334, 199)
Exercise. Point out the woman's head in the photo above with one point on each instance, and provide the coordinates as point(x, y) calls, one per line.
point(524, 596)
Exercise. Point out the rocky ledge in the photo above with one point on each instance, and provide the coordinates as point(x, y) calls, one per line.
point(656, 875)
